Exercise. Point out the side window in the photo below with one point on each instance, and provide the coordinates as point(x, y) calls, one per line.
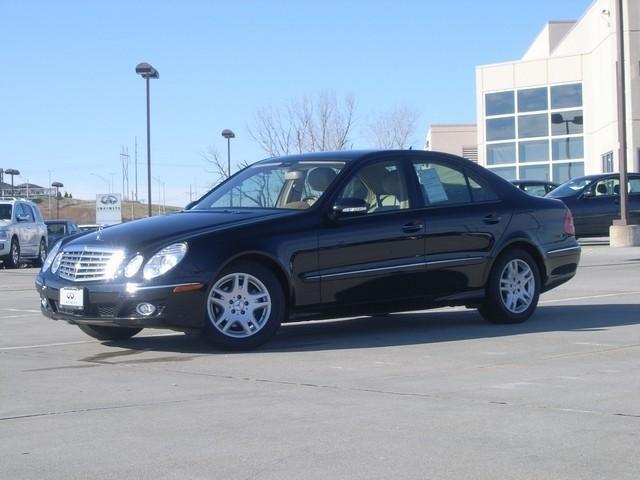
point(441, 185)
point(29, 211)
point(480, 190)
point(535, 190)
point(382, 185)
point(607, 186)
point(21, 210)
point(634, 185)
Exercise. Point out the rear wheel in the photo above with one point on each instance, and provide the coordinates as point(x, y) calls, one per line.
point(13, 259)
point(109, 333)
point(42, 253)
point(513, 288)
point(245, 307)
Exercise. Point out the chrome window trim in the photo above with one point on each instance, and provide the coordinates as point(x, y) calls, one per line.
point(567, 249)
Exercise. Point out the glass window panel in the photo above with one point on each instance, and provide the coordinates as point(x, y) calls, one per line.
point(442, 185)
point(499, 103)
point(498, 153)
point(536, 190)
point(381, 184)
point(532, 99)
point(481, 191)
point(634, 185)
point(563, 172)
point(501, 129)
point(508, 173)
point(534, 172)
point(565, 96)
point(533, 125)
point(534, 151)
point(566, 123)
point(567, 148)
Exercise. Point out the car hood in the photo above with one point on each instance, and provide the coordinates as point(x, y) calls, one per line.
point(145, 232)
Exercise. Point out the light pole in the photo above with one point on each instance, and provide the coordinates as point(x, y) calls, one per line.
point(13, 172)
point(147, 72)
point(558, 118)
point(57, 185)
point(228, 134)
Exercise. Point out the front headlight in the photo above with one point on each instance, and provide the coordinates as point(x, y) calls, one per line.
point(164, 260)
point(4, 236)
point(52, 254)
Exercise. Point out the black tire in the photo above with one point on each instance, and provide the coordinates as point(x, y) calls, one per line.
point(109, 333)
point(494, 308)
point(13, 259)
point(42, 254)
point(269, 321)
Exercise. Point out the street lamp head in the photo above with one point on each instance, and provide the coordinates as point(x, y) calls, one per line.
point(557, 118)
point(57, 184)
point(145, 70)
point(12, 171)
point(226, 133)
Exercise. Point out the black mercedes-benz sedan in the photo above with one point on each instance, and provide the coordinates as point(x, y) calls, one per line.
point(594, 201)
point(317, 236)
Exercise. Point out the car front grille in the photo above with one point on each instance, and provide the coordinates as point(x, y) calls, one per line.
point(81, 264)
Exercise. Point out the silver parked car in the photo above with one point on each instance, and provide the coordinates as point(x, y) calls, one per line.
point(23, 233)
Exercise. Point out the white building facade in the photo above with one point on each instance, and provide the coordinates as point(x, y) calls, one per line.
point(458, 139)
point(553, 114)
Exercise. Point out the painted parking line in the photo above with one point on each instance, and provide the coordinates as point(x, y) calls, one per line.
point(604, 295)
point(19, 310)
point(61, 344)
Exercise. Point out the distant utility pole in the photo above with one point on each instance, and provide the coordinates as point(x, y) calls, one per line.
point(124, 159)
point(135, 156)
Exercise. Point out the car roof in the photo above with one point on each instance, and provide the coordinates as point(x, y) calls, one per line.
point(341, 156)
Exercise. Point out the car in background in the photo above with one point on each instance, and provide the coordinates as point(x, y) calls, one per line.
point(58, 229)
point(594, 201)
point(320, 235)
point(23, 234)
point(537, 188)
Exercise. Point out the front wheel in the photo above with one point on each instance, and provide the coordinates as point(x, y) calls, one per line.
point(513, 288)
point(109, 333)
point(244, 308)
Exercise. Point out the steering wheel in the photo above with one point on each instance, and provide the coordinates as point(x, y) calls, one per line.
point(310, 198)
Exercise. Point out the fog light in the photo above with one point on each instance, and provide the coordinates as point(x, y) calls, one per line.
point(43, 302)
point(145, 309)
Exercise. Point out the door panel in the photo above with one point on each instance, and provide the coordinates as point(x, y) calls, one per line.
point(372, 258)
point(459, 241)
point(378, 256)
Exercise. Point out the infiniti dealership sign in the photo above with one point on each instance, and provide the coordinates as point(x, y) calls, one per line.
point(108, 209)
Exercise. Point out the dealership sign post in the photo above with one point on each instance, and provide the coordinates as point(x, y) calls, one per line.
point(108, 209)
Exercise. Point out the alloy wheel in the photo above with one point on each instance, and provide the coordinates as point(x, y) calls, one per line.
point(517, 286)
point(239, 305)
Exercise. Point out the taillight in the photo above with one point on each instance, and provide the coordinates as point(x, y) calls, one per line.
point(569, 227)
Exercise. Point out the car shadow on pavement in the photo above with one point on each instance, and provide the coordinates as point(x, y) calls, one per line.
point(407, 329)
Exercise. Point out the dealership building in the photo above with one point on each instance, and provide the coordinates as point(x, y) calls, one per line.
point(553, 114)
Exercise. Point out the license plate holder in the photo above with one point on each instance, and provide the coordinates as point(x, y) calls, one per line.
point(72, 298)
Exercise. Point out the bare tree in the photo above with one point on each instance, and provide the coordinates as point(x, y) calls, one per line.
point(310, 124)
point(215, 165)
point(394, 128)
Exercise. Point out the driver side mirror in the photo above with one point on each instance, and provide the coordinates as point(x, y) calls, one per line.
point(349, 207)
point(588, 193)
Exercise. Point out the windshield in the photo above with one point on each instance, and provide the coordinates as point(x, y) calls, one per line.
point(281, 185)
point(5, 211)
point(569, 188)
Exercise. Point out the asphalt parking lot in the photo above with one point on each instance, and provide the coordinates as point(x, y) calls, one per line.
point(421, 395)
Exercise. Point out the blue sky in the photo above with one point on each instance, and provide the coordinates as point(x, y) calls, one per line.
point(69, 96)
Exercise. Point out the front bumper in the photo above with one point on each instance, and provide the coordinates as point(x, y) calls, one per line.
point(114, 303)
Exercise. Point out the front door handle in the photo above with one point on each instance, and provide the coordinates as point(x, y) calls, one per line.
point(412, 227)
point(492, 219)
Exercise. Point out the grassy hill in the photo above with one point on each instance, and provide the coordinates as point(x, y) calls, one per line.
point(84, 211)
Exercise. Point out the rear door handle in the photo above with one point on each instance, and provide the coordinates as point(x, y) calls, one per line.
point(412, 227)
point(492, 219)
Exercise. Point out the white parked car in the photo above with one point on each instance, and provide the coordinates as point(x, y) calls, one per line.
point(23, 233)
